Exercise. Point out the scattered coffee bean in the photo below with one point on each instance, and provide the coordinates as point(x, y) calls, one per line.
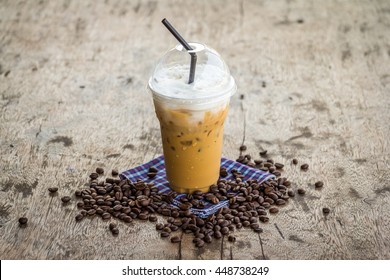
point(153, 218)
point(114, 172)
point(94, 176)
point(223, 172)
point(23, 220)
point(291, 193)
point(242, 148)
point(325, 210)
point(151, 175)
point(319, 184)
point(305, 166)
point(65, 199)
point(164, 234)
point(115, 231)
point(279, 165)
point(175, 239)
point(274, 210)
point(231, 238)
point(295, 161)
point(159, 226)
point(99, 170)
point(79, 217)
point(263, 153)
point(301, 191)
point(53, 189)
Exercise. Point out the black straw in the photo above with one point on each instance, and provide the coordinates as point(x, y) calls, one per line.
point(185, 45)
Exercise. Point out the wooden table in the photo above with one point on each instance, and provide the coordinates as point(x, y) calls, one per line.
point(313, 83)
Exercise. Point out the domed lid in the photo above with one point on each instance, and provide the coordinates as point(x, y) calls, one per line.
point(212, 76)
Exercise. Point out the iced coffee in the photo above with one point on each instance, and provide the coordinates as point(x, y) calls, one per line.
point(192, 116)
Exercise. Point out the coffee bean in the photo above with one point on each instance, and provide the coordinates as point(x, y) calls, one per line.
point(65, 199)
point(319, 184)
point(164, 234)
point(225, 230)
point(151, 175)
point(115, 231)
point(242, 148)
point(255, 226)
point(291, 193)
point(326, 210)
point(263, 153)
point(93, 176)
point(223, 172)
point(199, 244)
point(80, 204)
point(111, 226)
point(273, 210)
point(53, 189)
point(114, 172)
point(127, 219)
point(246, 223)
point(279, 165)
point(208, 239)
point(79, 217)
point(106, 216)
point(91, 212)
point(99, 170)
point(231, 238)
point(295, 161)
point(258, 230)
point(301, 191)
point(153, 218)
point(23, 220)
point(263, 219)
point(159, 226)
point(305, 166)
point(143, 216)
point(175, 239)
point(280, 202)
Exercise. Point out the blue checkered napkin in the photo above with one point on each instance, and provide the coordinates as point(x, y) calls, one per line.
point(160, 181)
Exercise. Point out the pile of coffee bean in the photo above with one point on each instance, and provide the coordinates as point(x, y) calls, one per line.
point(250, 202)
point(249, 205)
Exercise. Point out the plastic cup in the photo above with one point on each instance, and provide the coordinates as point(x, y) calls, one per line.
point(192, 115)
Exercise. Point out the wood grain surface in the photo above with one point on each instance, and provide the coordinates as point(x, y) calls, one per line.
point(313, 83)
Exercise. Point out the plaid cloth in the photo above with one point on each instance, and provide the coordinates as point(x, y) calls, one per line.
point(162, 184)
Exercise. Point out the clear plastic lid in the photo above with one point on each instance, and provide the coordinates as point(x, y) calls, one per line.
point(213, 81)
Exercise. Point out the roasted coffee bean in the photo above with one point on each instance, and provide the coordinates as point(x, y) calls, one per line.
point(175, 239)
point(280, 202)
point(94, 176)
point(106, 216)
point(79, 217)
point(319, 184)
point(266, 205)
point(225, 230)
point(114, 172)
point(277, 173)
point(208, 239)
point(258, 161)
point(153, 218)
point(164, 234)
point(263, 153)
point(23, 220)
point(231, 238)
point(325, 210)
point(279, 165)
point(242, 148)
point(223, 172)
point(115, 231)
point(91, 212)
point(143, 216)
point(117, 207)
point(199, 244)
point(53, 189)
point(263, 219)
point(239, 225)
point(159, 226)
point(153, 169)
point(305, 166)
point(151, 175)
point(99, 170)
point(301, 191)
point(273, 210)
point(111, 226)
point(291, 193)
point(295, 161)
point(255, 226)
point(65, 199)
point(246, 223)
point(258, 230)
point(127, 219)
point(80, 204)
